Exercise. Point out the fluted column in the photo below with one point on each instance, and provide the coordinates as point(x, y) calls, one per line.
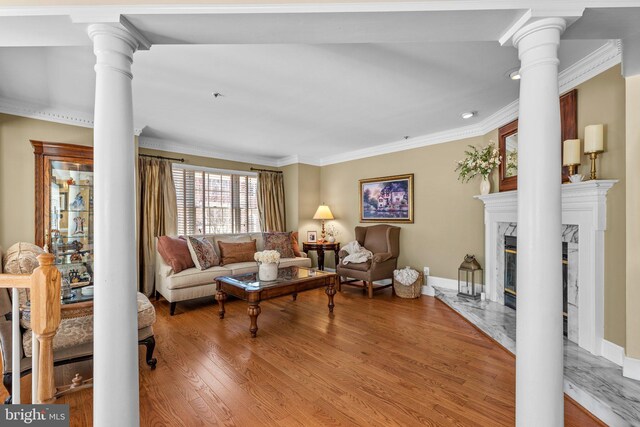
point(539, 358)
point(115, 395)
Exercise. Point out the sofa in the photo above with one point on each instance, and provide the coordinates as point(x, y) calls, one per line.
point(194, 283)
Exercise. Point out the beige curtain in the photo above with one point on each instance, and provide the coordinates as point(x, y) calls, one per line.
point(271, 201)
point(158, 214)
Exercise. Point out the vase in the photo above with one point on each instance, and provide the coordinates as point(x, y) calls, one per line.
point(485, 186)
point(331, 239)
point(268, 272)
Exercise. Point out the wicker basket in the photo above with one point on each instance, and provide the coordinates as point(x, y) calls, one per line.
point(414, 290)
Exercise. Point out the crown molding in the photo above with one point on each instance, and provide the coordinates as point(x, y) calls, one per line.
point(598, 61)
point(51, 114)
point(181, 148)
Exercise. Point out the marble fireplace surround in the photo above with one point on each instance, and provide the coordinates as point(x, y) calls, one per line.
point(583, 204)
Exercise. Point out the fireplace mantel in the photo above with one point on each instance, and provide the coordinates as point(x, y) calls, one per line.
point(583, 204)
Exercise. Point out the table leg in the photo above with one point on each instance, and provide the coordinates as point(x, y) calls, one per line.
point(295, 296)
point(320, 258)
point(221, 297)
point(336, 254)
point(331, 291)
point(254, 312)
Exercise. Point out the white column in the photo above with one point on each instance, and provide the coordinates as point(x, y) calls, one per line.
point(539, 347)
point(115, 362)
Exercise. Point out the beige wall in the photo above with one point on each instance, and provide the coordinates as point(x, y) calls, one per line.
point(602, 100)
point(633, 219)
point(17, 171)
point(207, 162)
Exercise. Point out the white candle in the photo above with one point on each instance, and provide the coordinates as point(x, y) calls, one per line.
point(593, 138)
point(571, 152)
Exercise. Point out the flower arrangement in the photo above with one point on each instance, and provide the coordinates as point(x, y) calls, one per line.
point(332, 230)
point(267, 257)
point(478, 161)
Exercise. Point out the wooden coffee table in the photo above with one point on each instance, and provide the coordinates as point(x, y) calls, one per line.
point(290, 281)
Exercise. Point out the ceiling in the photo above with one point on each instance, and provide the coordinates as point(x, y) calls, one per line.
point(301, 86)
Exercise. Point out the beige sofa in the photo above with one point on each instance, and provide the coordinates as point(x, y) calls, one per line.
point(194, 283)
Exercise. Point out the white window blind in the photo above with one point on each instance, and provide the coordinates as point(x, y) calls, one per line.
point(215, 202)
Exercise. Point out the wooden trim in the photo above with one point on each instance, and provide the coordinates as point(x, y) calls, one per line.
point(22, 281)
point(568, 130)
point(506, 183)
point(44, 153)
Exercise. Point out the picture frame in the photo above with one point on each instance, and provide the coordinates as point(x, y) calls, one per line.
point(312, 236)
point(387, 199)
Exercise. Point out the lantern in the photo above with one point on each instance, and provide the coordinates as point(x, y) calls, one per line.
point(470, 278)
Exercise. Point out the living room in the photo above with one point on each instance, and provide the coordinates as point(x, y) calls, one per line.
point(387, 134)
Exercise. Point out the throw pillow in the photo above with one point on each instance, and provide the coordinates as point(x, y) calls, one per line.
point(175, 252)
point(280, 242)
point(202, 252)
point(237, 252)
point(295, 245)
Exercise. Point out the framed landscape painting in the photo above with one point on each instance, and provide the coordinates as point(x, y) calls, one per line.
point(387, 199)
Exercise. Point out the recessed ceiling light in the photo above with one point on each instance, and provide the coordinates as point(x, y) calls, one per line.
point(468, 114)
point(514, 75)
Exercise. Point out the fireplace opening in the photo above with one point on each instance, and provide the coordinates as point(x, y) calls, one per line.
point(510, 271)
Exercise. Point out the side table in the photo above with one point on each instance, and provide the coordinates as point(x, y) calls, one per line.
point(320, 247)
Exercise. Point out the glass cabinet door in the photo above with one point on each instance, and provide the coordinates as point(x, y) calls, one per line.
point(71, 219)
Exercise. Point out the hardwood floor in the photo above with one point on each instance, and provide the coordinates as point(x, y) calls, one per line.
point(374, 362)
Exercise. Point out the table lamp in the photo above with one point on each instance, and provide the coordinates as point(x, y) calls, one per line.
point(323, 213)
point(593, 144)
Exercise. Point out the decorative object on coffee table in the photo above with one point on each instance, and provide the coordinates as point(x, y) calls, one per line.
point(387, 199)
point(268, 262)
point(470, 278)
point(323, 213)
point(407, 282)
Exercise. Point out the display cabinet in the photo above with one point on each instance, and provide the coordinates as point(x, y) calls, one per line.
point(64, 207)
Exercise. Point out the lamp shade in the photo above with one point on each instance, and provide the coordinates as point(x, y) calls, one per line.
point(323, 212)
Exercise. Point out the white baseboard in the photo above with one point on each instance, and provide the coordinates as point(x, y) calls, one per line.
point(612, 352)
point(442, 282)
point(631, 368)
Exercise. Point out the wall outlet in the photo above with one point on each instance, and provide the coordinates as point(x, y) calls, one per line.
point(426, 271)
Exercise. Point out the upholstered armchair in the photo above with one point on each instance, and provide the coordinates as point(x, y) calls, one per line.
point(384, 242)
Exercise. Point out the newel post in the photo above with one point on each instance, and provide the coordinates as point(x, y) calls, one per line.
point(45, 319)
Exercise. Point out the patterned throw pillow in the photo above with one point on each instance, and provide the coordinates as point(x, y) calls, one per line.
point(202, 253)
point(232, 253)
point(280, 242)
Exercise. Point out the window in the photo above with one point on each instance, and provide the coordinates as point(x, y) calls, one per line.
point(215, 202)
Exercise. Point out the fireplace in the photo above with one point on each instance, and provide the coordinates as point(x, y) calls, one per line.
point(510, 276)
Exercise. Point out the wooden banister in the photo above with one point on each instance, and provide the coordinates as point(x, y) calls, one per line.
point(45, 319)
point(22, 281)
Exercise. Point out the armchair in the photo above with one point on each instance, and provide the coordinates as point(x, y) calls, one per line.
point(384, 242)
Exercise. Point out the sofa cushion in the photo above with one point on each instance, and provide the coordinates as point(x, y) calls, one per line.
point(360, 266)
point(295, 245)
point(236, 252)
point(202, 253)
point(228, 238)
point(280, 242)
point(194, 277)
point(175, 252)
point(252, 267)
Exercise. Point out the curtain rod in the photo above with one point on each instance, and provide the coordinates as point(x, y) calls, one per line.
point(265, 170)
point(162, 157)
